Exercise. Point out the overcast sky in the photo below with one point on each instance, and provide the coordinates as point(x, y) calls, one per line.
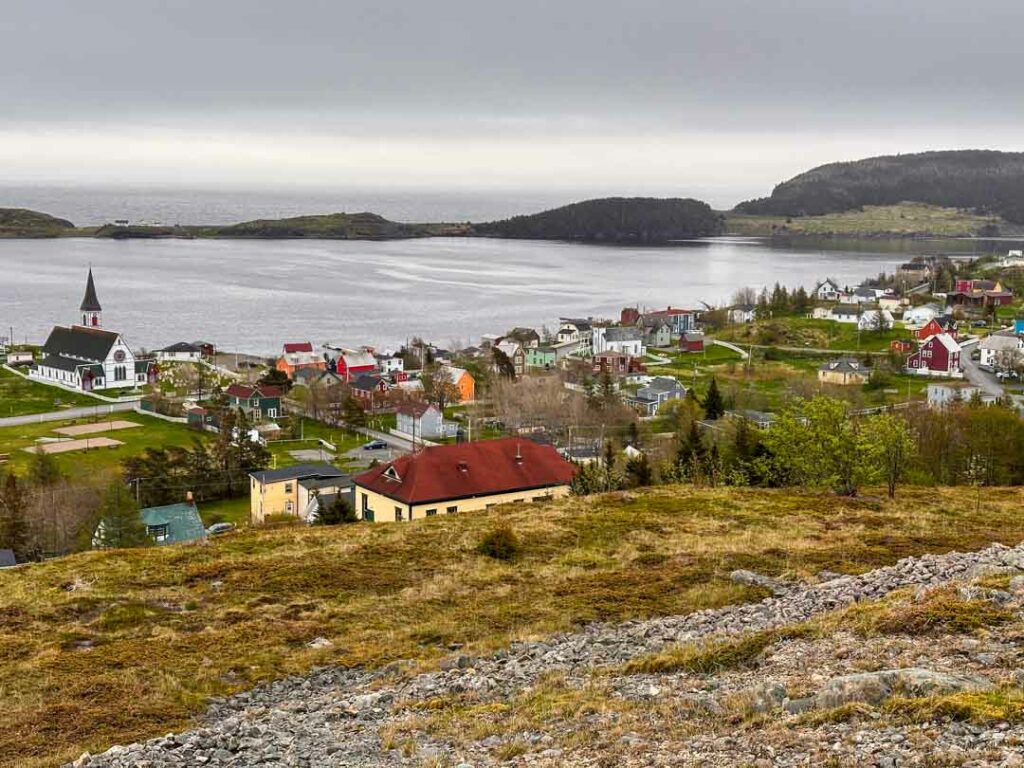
point(717, 99)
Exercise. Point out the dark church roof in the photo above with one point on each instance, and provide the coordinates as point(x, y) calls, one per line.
point(90, 303)
point(80, 342)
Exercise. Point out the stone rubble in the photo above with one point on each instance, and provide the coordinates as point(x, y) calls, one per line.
point(338, 717)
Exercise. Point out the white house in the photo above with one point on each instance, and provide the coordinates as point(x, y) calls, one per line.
point(742, 313)
point(86, 357)
point(889, 301)
point(181, 352)
point(578, 331)
point(918, 317)
point(827, 290)
point(421, 420)
point(627, 340)
point(821, 313)
point(875, 320)
point(391, 363)
point(1012, 259)
point(996, 348)
point(942, 395)
point(845, 314)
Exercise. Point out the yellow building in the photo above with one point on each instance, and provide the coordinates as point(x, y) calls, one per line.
point(844, 371)
point(294, 490)
point(448, 479)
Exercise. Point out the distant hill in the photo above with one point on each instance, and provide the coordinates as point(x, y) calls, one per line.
point(983, 181)
point(19, 222)
point(345, 226)
point(615, 220)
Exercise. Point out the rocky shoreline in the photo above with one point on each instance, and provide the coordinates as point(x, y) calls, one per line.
point(337, 717)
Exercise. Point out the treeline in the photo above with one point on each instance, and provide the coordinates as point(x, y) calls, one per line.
point(614, 219)
point(986, 181)
point(817, 443)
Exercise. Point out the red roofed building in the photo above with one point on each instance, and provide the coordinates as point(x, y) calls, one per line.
point(447, 479)
point(300, 346)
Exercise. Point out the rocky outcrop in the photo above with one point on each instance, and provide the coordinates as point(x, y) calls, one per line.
point(336, 717)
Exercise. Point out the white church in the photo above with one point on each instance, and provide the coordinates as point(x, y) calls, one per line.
point(87, 357)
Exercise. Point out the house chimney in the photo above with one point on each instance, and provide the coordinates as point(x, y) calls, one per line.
point(519, 454)
point(463, 466)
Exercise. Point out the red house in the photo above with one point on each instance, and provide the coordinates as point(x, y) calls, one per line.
point(938, 356)
point(897, 345)
point(945, 324)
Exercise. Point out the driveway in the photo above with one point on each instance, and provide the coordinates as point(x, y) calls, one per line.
point(983, 380)
point(85, 412)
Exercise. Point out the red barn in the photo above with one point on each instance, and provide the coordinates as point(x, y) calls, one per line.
point(350, 364)
point(691, 342)
point(897, 345)
point(939, 356)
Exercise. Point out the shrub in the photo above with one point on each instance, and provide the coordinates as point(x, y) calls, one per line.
point(500, 544)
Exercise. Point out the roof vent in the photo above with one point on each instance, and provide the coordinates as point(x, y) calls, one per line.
point(463, 466)
point(519, 454)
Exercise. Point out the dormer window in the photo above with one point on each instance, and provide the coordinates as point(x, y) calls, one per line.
point(392, 474)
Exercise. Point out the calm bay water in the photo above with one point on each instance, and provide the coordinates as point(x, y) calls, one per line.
point(253, 295)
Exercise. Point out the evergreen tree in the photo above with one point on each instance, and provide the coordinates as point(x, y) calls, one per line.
point(337, 512)
point(119, 522)
point(639, 472)
point(608, 394)
point(14, 530)
point(714, 407)
point(43, 470)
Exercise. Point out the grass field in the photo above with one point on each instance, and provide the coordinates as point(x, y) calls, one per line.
point(19, 397)
point(901, 220)
point(807, 333)
point(152, 633)
point(103, 462)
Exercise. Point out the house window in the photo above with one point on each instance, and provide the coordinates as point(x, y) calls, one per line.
point(431, 512)
point(287, 487)
point(158, 532)
point(398, 514)
point(289, 507)
point(451, 510)
point(272, 413)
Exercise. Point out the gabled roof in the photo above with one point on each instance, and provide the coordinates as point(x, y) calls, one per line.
point(847, 310)
point(826, 282)
point(62, 363)
point(298, 346)
point(467, 470)
point(182, 521)
point(664, 384)
point(181, 346)
point(414, 408)
point(366, 382)
point(622, 334)
point(581, 324)
point(999, 341)
point(945, 340)
point(843, 365)
point(296, 472)
point(90, 303)
point(81, 342)
point(246, 392)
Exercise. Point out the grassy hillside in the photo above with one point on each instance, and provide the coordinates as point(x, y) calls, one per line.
point(113, 646)
point(613, 219)
point(19, 222)
point(981, 180)
point(20, 397)
point(901, 220)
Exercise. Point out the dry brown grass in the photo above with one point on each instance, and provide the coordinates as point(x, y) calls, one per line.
point(156, 632)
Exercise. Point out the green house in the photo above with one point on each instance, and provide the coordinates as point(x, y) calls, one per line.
point(540, 357)
point(173, 523)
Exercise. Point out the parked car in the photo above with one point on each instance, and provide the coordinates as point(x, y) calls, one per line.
point(218, 528)
point(976, 354)
point(375, 445)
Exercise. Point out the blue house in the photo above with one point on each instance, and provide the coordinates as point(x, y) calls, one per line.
point(1018, 326)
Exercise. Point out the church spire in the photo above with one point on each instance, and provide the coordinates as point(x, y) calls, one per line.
point(90, 308)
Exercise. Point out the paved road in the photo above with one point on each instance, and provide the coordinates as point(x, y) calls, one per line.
point(100, 409)
point(983, 380)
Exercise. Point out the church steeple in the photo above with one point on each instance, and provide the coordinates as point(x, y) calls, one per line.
point(90, 309)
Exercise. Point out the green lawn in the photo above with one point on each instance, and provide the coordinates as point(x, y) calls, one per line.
point(899, 220)
point(312, 431)
point(19, 397)
point(100, 462)
point(804, 332)
point(225, 511)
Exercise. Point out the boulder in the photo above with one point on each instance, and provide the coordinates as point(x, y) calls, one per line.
point(751, 579)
